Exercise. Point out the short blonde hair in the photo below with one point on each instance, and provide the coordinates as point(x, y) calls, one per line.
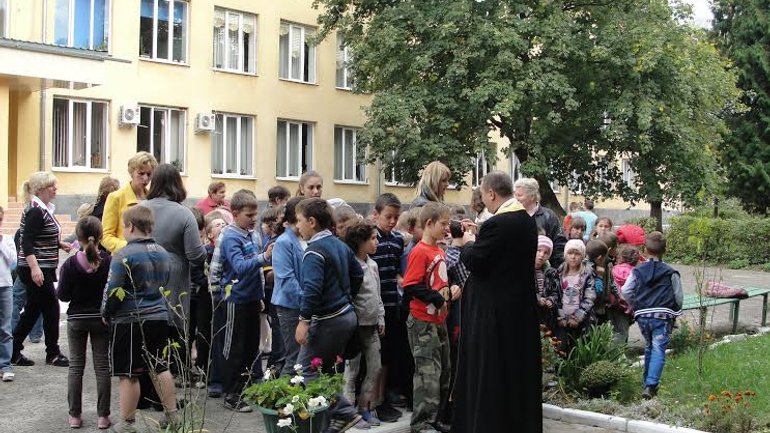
point(431, 178)
point(37, 182)
point(530, 187)
point(140, 160)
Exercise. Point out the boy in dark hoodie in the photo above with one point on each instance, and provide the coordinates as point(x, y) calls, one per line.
point(654, 290)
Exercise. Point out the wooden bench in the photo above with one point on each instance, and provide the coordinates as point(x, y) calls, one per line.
point(692, 302)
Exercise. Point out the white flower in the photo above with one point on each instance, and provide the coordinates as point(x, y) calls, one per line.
point(288, 409)
point(298, 367)
point(296, 380)
point(284, 422)
point(268, 374)
point(295, 399)
point(317, 401)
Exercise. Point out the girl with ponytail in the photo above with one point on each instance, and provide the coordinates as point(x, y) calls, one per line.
point(82, 279)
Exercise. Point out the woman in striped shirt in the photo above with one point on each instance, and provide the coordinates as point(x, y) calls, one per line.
point(38, 259)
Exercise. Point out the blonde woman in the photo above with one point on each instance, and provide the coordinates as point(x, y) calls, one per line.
point(311, 185)
point(433, 184)
point(140, 167)
point(38, 258)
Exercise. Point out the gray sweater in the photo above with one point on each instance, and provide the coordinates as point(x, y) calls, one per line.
point(368, 302)
point(176, 230)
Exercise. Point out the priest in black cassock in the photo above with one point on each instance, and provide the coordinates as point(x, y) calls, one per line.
point(499, 373)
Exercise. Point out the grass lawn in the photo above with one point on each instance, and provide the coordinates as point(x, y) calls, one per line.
point(738, 366)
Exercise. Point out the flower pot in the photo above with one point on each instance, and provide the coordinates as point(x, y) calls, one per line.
point(313, 424)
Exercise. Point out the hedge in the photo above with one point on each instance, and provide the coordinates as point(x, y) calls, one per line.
point(733, 241)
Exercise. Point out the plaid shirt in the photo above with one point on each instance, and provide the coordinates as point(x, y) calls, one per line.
point(458, 273)
point(215, 271)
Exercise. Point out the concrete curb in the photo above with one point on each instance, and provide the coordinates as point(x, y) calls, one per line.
point(610, 422)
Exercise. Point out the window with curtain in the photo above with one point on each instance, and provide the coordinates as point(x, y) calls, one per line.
point(161, 132)
point(481, 167)
point(515, 167)
point(80, 134)
point(395, 176)
point(81, 24)
point(163, 30)
point(232, 145)
point(349, 158)
point(235, 41)
point(344, 80)
point(294, 146)
point(296, 54)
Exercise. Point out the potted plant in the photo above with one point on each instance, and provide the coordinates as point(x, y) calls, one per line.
point(290, 404)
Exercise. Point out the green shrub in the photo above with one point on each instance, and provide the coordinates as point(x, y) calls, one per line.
point(692, 239)
point(598, 378)
point(649, 224)
point(596, 345)
point(737, 263)
point(626, 388)
point(765, 267)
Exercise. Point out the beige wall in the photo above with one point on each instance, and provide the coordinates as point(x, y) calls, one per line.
point(5, 105)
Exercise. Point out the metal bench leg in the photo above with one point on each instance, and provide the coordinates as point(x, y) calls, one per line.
point(735, 310)
point(764, 309)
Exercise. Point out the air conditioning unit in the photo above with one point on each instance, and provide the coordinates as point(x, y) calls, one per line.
point(204, 122)
point(129, 115)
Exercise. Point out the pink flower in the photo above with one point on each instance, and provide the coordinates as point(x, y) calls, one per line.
point(340, 360)
point(316, 362)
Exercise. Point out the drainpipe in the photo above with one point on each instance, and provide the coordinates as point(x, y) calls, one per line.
point(43, 96)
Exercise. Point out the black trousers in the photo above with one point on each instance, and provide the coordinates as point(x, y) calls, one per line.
point(241, 345)
point(40, 300)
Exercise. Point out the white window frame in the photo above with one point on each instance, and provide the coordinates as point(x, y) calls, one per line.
point(311, 151)
point(342, 164)
point(240, 68)
point(239, 160)
point(629, 176)
point(390, 178)
point(166, 157)
point(5, 22)
point(343, 60)
point(154, 55)
point(477, 175)
point(71, 131)
point(304, 30)
point(71, 24)
point(514, 166)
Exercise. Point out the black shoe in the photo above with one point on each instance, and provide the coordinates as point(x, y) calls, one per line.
point(58, 361)
point(22, 361)
point(440, 426)
point(396, 400)
point(339, 425)
point(215, 394)
point(649, 392)
point(237, 405)
point(144, 404)
point(387, 413)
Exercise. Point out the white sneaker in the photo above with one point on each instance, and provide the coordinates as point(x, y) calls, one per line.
point(8, 376)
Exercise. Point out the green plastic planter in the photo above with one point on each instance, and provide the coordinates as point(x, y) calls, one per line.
point(310, 425)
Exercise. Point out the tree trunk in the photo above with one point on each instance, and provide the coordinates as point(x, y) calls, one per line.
point(656, 211)
point(548, 198)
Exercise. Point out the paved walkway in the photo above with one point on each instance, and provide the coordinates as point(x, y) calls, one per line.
point(37, 400)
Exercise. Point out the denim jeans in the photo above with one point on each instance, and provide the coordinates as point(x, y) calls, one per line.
point(6, 338)
point(19, 299)
point(657, 334)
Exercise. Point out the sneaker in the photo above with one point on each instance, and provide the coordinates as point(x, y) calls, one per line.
point(58, 361)
point(370, 418)
point(75, 422)
point(396, 400)
point(103, 423)
point(22, 361)
point(237, 405)
point(8, 376)
point(649, 392)
point(387, 413)
point(338, 425)
point(429, 430)
point(213, 393)
point(362, 425)
point(442, 427)
point(124, 427)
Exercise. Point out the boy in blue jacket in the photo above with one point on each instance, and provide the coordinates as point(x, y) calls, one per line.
point(242, 281)
point(654, 290)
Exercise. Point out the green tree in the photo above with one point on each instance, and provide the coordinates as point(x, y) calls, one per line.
point(741, 33)
point(570, 85)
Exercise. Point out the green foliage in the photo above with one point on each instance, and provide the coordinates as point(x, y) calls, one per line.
point(741, 33)
point(572, 87)
point(686, 337)
point(599, 377)
point(737, 263)
point(119, 293)
point(765, 267)
point(738, 241)
point(596, 345)
point(728, 413)
point(649, 224)
point(626, 389)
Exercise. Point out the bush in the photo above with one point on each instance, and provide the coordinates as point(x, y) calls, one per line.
point(737, 263)
point(692, 239)
point(596, 345)
point(649, 224)
point(728, 413)
point(598, 378)
point(765, 267)
point(686, 337)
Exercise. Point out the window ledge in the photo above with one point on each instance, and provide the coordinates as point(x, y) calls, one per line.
point(399, 184)
point(289, 80)
point(344, 89)
point(351, 182)
point(287, 178)
point(232, 176)
point(230, 71)
point(79, 170)
point(164, 62)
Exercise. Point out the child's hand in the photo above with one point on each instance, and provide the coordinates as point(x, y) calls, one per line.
point(548, 303)
point(469, 226)
point(301, 333)
point(269, 251)
point(443, 310)
point(572, 323)
point(261, 306)
point(456, 292)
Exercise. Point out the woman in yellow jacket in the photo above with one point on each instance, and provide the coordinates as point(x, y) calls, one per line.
point(140, 167)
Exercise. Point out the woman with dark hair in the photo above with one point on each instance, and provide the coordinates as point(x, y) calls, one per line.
point(177, 231)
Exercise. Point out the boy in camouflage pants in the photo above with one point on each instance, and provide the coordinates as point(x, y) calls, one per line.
point(427, 284)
